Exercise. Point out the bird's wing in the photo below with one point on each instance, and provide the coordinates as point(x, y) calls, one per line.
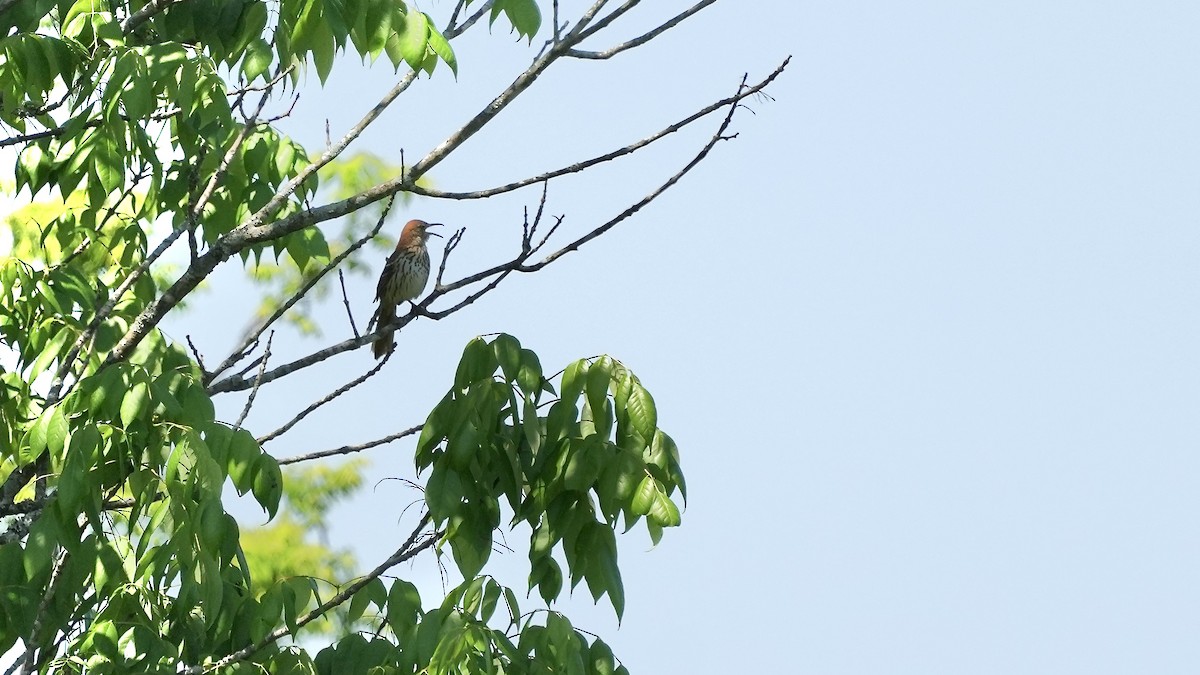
point(385, 273)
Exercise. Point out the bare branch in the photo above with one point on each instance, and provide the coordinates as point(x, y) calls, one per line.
point(463, 303)
point(196, 354)
point(241, 352)
point(239, 382)
point(256, 229)
point(716, 138)
point(406, 551)
point(346, 302)
point(643, 39)
point(599, 159)
point(347, 449)
point(451, 244)
point(332, 395)
point(496, 274)
point(584, 30)
point(262, 368)
point(453, 31)
point(586, 19)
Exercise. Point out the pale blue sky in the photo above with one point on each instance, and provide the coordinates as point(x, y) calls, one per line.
point(925, 333)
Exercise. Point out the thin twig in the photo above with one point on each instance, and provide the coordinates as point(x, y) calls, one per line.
point(347, 449)
point(517, 264)
point(451, 244)
point(262, 368)
point(196, 354)
point(453, 31)
point(257, 229)
point(643, 39)
point(712, 142)
point(238, 382)
point(582, 32)
point(317, 404)
point(346, 302)
point(599, 159)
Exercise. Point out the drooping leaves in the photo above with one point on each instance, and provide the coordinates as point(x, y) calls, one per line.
point(573, 474)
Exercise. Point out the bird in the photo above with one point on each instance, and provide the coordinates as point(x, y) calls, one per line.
point(403, 278)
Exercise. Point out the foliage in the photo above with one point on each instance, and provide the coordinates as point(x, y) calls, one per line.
point(140, 127)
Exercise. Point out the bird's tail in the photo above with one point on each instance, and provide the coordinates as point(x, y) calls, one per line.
point(384, 318)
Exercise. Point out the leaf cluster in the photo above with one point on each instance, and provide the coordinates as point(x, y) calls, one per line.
point(594, 459)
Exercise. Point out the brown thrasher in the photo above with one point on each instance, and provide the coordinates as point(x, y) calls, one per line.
point(403, 278)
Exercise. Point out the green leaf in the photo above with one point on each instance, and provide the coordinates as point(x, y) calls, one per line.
point(600, 659)
point(413, 39)
point(508, 355)
point(403, 606)
point(39, 546)
point(642, 412)
point(442, 48)
point(373, 593)
point(323, 49)
point(74, 483)
point(470, 542)
point(268, 484)
point(478, 363)
point(136, 401)
point(548, 578)
point(599, 376)
point(574, 379)
point(259, 56)
point(242, 460)
point(530, 378)
point(643, 497)
point(514, 610)
point(443, 493)
point(56, 431)
point(491, 595)
point(524, 15)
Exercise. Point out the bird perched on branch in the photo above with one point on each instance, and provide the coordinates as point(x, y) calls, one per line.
point(403, 278)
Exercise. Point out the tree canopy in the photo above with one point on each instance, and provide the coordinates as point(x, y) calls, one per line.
point(140, 128)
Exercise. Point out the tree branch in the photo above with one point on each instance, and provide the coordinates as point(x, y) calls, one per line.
point(193, 213)
point(256, 230)
point(407, 550)
point(334, 394)
point(497, 273)
point(599, 159)
point(643, 39)
point(262, 368)
point(453, 31)
point(240, 352)
point(239, 382)
point(145, 13)
point(347, 449)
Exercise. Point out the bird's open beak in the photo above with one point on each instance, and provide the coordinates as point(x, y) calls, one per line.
point(434, 234)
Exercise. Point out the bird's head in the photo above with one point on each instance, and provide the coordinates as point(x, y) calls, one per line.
point(418, 231)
